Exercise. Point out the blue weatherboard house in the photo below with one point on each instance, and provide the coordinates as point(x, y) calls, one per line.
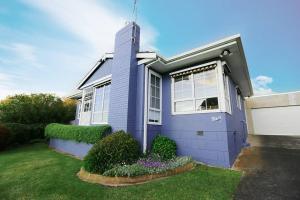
point(195, 98)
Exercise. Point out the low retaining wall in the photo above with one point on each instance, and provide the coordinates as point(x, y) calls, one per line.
point(124, 181)
point(77, 149)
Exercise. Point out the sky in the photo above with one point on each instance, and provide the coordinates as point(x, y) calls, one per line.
point(49, 45)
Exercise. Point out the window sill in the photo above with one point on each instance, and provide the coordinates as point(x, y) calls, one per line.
point(199, 112)
point(154, 123)
point(99, 123)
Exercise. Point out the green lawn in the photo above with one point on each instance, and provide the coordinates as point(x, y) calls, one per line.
point(36, 172)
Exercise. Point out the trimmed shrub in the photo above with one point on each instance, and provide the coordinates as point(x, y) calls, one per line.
point(24, 133)
point(164, 147)
point(114, 149)
point(4, 137)
point(87, 134)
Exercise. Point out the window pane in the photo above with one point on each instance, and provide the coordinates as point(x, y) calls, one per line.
point(152, 79)
point(205, 84)
point(152, 102)
point(212, 103)
point(183, 87)
point(200, 104)
point(98, 99)
point(153, 91)
point(157, 81)
point(157, 92)
point(100, 109)
point(154, 116)
point(184, 106)
point(157, 103)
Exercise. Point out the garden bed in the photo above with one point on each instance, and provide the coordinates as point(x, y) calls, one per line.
point(125, 181)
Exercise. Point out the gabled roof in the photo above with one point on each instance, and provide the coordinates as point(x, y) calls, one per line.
point(213, 51)
point(236, 61)
point(95, 67)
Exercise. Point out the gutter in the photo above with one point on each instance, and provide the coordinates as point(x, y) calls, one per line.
point(146, 104)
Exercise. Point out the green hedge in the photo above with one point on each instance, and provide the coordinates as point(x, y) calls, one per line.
point(24, 133)
point(87, 134)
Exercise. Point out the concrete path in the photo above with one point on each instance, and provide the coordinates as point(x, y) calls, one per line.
point(269, 174)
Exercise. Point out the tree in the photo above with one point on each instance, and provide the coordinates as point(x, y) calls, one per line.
point(37, 108)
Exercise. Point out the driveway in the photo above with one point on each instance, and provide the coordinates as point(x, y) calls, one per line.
point(269, 173)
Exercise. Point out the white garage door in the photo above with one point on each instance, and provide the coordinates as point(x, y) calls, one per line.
point(276, 120)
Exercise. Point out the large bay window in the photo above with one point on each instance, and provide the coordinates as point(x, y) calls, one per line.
point(101, 104)
point(154, 101)
point(199, 89)
point(195, 92)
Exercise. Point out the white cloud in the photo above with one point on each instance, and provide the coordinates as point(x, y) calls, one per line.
point(23, 53)
point(91, 21)
point(8, 87)
point(261, 85)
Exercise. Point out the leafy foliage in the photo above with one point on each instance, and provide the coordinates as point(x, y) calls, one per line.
point(164, 147)
point(144, 167)
point(88, 134)
point(114, 149)
point(27, 115)
point(24, 133)
point(36, 109)
point(4, 137)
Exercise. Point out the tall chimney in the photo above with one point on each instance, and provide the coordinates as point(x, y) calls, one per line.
point(124, 72)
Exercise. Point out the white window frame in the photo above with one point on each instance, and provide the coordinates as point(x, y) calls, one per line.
point(229, 109)
point(78, 108)
point(94, 99)
point(84, 102)
point(238, 99)
point(151, 72)
point(220, 87)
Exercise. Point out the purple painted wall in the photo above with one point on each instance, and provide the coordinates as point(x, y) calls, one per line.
point(236, 126)
point(214, 142)
point(78, 149)
point(124, 81)
point(103, 70)
point(210, 147)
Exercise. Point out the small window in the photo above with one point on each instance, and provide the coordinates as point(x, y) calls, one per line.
point(238, 99)
point(78, 109)
point(227, 94)
point(154, 102)
point(101, 104)
point(87, 100)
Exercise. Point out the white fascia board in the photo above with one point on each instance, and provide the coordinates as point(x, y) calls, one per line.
point(146, 55)
point(77, 95)
point(144, 61)
point(245, 68)
point(207, 50)
point(98, 81)
point(212, 45)
point(103, 58)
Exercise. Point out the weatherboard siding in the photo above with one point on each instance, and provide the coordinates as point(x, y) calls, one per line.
point(211, 147)
point(124, 80)
point(102, 71)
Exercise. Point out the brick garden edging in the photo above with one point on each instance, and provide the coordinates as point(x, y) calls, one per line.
point(124, 181)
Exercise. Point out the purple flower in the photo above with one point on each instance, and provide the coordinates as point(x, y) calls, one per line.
point(152, 164)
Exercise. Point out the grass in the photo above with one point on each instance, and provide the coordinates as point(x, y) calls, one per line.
point(36, 172)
